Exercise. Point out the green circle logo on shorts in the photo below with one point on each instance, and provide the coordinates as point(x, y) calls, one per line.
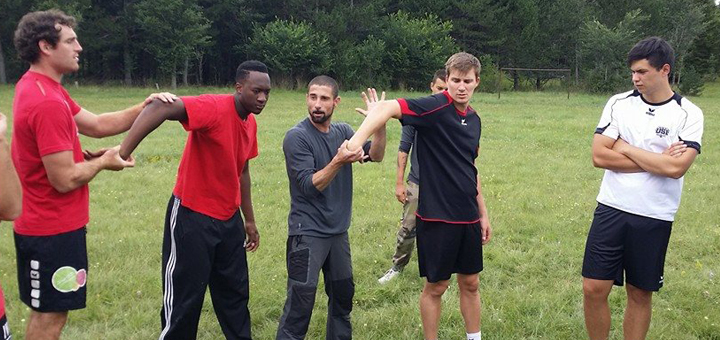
point(68, 279)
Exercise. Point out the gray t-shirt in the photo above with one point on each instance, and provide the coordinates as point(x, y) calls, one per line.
point(308, 150)
point(407, 140)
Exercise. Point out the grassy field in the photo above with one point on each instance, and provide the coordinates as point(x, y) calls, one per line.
point(540, 188)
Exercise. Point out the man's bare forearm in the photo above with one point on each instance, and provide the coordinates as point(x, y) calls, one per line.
point(151, 117)
point(246, 205)
point(660, 164)
point(324, 177)
point(376, 118)
point(113, 123)
point(401, 165)
point(377, 148)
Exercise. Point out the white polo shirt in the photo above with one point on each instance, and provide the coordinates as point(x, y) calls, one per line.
point(651, 127)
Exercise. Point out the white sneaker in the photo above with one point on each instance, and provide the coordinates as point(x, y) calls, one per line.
point(389, 275)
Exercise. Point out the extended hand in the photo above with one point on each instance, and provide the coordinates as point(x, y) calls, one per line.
point(252, 240)
point(165, 97)
point(370, 99)
point(88, 155)
point(113, 161)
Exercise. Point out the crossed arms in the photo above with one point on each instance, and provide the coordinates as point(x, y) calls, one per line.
point(618, 155)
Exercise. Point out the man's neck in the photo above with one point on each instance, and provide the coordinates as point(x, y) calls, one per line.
point(46, 70)
point(324, 127)
point(461, 107)
point(659, 96)
point(241, 112)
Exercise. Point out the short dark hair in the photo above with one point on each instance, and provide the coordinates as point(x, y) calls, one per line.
point(656, 50)
point(440, 74)
point(36, 26)
point(326, 81)
point(246, 66)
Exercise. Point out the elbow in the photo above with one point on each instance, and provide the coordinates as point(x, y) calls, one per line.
point(598, 162)
point(11, 213)
point(62, 186)
point(677, 173)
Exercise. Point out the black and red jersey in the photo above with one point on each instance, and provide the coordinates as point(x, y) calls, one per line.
point(447, 145)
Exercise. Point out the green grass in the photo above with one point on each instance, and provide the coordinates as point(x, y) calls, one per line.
point(540, 188)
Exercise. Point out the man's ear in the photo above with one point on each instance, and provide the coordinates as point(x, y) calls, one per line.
point(44, 46)
point(665, 69)
point(337, 100)
point(238, 86)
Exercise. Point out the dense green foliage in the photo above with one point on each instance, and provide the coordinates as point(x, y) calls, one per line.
point(540, 188)
point(394, 43)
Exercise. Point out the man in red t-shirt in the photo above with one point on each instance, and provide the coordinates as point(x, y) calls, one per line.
point(10, 205)
point(54, 171)
point(205, 237)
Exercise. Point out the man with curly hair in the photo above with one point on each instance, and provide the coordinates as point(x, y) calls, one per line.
point(54, 171)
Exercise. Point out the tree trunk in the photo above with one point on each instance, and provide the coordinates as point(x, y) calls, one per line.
point(127, 60)
point(200, 69)
point(516, 81)
point(186, 68)
point(3, 75)
point(173, 82)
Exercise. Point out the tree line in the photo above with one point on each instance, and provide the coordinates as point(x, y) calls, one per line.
point(384, 43)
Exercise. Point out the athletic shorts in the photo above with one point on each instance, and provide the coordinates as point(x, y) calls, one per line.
point(445, 249)
point(52, 271)
point(4, 329)
point(623, 243)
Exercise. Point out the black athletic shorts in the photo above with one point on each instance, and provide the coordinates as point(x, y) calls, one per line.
point(444, 249)
point(621, 242)
point(4, 329)
point(52, 271)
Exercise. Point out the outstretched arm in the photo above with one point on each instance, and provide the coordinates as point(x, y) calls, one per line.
point(65, 175)
point(10, 189)
point(113, 123)
point(151, 117)
point(378, 114)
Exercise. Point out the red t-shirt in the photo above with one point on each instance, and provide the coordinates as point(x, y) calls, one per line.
point(218, 145)
point(43, 124)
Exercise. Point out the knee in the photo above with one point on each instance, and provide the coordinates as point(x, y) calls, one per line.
point(343, 292)
point(468, 284)
point(596, 290)
point(435, 289)
point(638, 296)
point(49, 322)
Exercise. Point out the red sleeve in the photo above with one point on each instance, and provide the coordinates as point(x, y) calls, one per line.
point(54, 127)
point(201, 112)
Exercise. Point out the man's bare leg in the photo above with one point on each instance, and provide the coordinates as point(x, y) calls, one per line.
point(45, 326)
point(597, 309)
point(470, 301)
point(430, 307)
point(637, 313)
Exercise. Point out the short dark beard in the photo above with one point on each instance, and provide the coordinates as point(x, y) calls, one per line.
point(320, 120)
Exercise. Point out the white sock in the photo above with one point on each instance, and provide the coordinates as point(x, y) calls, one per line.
point(473, 336)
